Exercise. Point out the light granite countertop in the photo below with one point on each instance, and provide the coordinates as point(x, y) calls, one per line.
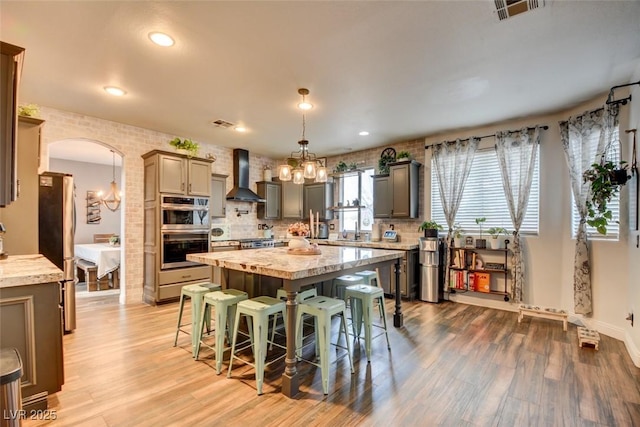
point(21, 270)
point(278, 262)
point(398, 246)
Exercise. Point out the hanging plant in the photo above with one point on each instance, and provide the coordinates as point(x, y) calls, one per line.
point(605, 180)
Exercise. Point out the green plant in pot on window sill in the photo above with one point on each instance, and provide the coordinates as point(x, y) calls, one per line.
point(185, 146)
point(495, 232)
point(403, 156)
point(604, 179)
point(480, 242)
point(430, 228)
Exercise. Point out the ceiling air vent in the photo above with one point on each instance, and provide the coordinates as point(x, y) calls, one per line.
point(222, 124)
point(510, 8)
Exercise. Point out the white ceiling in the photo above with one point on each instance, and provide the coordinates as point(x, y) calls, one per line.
point(397, 69)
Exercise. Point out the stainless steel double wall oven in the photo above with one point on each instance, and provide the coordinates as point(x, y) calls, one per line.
point(185, 229)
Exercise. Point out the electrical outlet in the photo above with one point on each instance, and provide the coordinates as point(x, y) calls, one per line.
point(332, 227)
point(259, 226)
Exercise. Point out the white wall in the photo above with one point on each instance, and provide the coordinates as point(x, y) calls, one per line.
point(90, 177)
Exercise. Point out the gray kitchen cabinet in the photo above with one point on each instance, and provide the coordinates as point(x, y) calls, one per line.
point(292, 196)
point(409, 276)
point(270, 192)
point(318, 197)
point(182, 175)
point(218, 207)
point(381, 196)
point(404, 180)
point(11, 59)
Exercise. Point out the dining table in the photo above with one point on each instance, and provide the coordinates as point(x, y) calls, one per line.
point(104, 255)
point(297, 270)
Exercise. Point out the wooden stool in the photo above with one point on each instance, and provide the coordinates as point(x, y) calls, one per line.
point(544, 313)
point(588, 336)
point(196, 293)
point(340, 283)
point(225, 304)
point(260, 309)
point(323, 309)
point(362, 300)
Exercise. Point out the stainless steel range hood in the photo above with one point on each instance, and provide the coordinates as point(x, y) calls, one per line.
point(240, 191)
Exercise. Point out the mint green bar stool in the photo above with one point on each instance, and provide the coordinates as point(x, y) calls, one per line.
point(195, 293)
point(323, 309)
point(224, 304)
point(369, 276)
point(362, 300)
point(260, 309)
point(282, 295)
point(340, 283)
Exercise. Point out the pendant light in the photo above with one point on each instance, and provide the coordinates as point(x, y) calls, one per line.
point(113, 199)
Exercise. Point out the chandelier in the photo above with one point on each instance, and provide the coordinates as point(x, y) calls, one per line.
point(112, 200)
point(302, 164)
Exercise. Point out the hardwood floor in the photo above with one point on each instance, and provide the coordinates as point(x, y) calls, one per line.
point(451, 364)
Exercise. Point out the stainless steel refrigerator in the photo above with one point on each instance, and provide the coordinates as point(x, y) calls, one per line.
point(56, 220)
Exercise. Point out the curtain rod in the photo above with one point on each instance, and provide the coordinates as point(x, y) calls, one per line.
point(622, 101)
point(545, 127)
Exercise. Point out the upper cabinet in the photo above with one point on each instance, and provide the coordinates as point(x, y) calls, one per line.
point(179, 174)
point(271, 193)
point(396, 195)
point(10, 69)
point(292, 204)
point(218, 196)
point(318, 197)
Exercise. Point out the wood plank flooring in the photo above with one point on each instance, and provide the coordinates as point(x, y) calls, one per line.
point(451, 364)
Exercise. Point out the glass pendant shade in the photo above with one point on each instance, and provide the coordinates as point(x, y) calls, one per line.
point(321, 174)
point(112, 200)
point(298, 176)
point(285, 173)
point(309, 169)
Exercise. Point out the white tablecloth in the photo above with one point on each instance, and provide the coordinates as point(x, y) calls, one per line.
point(105, 256)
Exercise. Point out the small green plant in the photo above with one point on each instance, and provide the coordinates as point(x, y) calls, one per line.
point(457, 230)
point(480, 221)
point(605, 180)
point(341, 167)
point(427, 225)
point(497, 231)
point(403, 155)
point(186, 144)
point(29, 110)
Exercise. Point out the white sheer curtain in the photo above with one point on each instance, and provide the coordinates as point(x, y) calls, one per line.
point(452, 164)
point(575, 135)
point(516, 152)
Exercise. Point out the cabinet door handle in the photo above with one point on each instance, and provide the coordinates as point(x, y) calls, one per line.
point(186, 276)
point(182, 187)
point(190, 187)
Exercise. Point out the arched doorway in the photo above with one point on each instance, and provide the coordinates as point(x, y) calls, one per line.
point(94, 165)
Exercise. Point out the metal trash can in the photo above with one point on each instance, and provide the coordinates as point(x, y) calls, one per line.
point(10, 372)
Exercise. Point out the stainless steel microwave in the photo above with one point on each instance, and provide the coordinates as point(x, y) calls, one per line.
point(185, 213)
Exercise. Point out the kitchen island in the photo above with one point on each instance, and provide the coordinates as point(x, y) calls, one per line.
point(31, 322)
point(300, 270)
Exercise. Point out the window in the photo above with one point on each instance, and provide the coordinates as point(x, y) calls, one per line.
point(349, 192)
point(484, 197)
point(613, 228)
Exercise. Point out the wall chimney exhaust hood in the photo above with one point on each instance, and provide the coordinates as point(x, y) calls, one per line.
point(240, 191)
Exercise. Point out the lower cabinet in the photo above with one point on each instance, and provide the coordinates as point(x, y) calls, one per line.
point(31, 322)
point(409, 276)
point(170, 282)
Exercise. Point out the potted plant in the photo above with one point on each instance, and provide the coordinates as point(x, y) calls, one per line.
point(29, 110)
point(187, 146)
point(605, 179)
point(430, 228)
point(341, 167)
point(403, 156)
point(495, 232)
point(458, 235)
point(481, 243)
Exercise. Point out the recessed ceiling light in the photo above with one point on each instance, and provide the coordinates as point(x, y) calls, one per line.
point(115, 91)
point(240, 129)
point(161, 39)
point(363, 133)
